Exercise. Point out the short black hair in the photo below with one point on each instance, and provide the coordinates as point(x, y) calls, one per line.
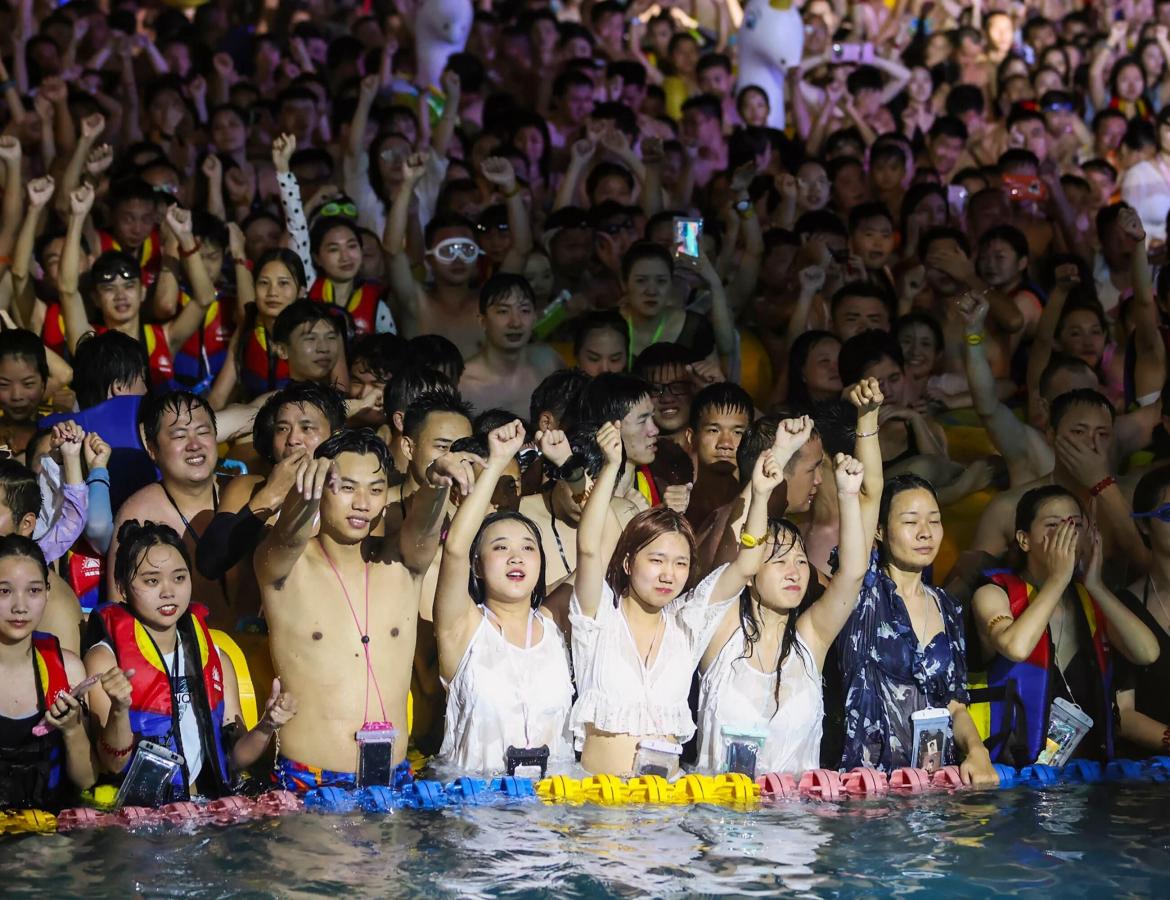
point(557, 394)
point(302, 312)
point(1009, 235)
point(491, 419)
point(964, 98)
point(862, 289)
point(662, 355)
point(723, 395)
point(446, 219)
point(714, 61)
point(363, 441)
point(708, 104)
point(863, 350)
point(500, 286)
point(948, 126)
point(23, 344)
point(296, 393)
point(598, 320)
point(437, 352)
point(1064, 404)
point(610, 396)
point(130, 189)
point(863, 212)
point(154, 406)
point(411, 383)
point(1061, 362)
point(942, 233)
point(383, 353)
point(107, 361)
point(22, 494)
point(641, 250)
point(920, 317)
point(415, 415)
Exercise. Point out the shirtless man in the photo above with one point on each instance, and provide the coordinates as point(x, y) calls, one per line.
point(288, 428)
point(178, 431)
point(451, 308)
point(507, 369)
point(346, 660)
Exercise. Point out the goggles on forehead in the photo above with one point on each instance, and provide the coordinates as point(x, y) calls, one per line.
point(109, 274)
point(1062, 106)
point(1161, 513)
point(338, 208)
point(451, 249)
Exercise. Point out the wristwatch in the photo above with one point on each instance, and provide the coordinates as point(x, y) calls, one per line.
point(748, 541)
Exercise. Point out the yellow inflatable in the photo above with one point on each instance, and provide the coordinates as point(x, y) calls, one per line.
point(609, 790)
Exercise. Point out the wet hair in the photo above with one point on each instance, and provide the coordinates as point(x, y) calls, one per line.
point(155, 406)
point(22, 344)
point(323, 398)
point(1029, 504)
point(610, 396)
point(723, 395)
point(899, 484)
point(557, 394)
point(438, 353)
point(502, 285)
point(325, 224)
point(362, 441)
point(864, 289)
point(785, 537)
point(641, 250)
point(134, 540)
point(491, 419)
point(1009, 235)
point(130, 189)
point(107, 361)
point(642, 530)
point(411, 383)
point(798, 356)
point(864, 350)
point(446, 219)
point(18, 546)
point(415, 415)
point(598, 320)
point(383, 354)
point(22, 494)
point(475, 583)
point(304, 312)
point(1061, 362)
point(113, 262)
point(664, 354)
point(964, 98)
point(289, 258)
point(1062, 405)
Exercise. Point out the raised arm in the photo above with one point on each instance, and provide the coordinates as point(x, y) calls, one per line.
point(1044, 340)
point(76, 322)
point(722, 321)
point(743, 283)
point(825, 618)
point(455, 615)
point(402, 283)
point(499, 172)
point(592, 553)
point(190, 318)
point(283, 148)
point(283, 545)
point(40, 192)
point(449, 120)
point(91, 129)
point(10, 157)
point(867, 397)
point(580, 155)
point(418, 539)
point(766, 477)
point(1149, 348)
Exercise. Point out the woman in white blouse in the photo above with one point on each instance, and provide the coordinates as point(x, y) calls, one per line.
point(641, 618)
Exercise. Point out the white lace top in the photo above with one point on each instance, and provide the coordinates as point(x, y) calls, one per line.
point(617, 693)
point(503, 695)
point(734, 693)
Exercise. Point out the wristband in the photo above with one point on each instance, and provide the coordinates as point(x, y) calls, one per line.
point(508, 195)
point(865, 434)
point(1001, 617)
point(113, 751)
point(974, 340)
point(1102, 485)
point(187, 254)
point(750, 542)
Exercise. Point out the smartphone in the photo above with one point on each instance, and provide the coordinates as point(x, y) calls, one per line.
point(78, 691)
point(957, 199)
point(852, 53)
point(686, 237)
point(148, 780)
point(932, 739)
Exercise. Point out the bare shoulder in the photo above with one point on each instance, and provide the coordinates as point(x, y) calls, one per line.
point(545, 358)
point(144, 500)
point(238, 491)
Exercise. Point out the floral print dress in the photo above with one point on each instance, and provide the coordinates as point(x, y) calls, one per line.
point(888, 675)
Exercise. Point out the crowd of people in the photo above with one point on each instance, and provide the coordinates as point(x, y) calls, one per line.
point(565, 415)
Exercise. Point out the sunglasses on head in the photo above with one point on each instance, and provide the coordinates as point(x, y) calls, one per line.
point(1161, 513)
point(338, 208)
point(451, 249)
point(109, 276)
point(1060, 106)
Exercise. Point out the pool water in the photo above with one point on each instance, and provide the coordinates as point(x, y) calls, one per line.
point(1068, 841)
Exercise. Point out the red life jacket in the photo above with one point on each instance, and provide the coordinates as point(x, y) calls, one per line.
point(53, 331)
point(261, 369)
point(50, 667)
point(203, 353)
point(149, 254)
point(362, 308)
point(162, 366)
point(31, 771)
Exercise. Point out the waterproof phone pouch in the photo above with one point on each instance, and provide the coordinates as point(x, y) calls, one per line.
point(527, 762)
point(1067, 726)
point(375, 742)
point(932, 739)
point(148, 779)
point(657, 758)
point(741, 749)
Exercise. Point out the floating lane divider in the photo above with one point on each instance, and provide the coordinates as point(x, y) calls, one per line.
point(733, 789)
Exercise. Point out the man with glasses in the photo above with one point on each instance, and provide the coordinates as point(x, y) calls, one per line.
point(449, 307)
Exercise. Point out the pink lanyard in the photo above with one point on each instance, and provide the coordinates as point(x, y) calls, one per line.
point(363, 632)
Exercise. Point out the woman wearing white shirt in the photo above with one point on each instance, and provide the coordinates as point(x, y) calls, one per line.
point(639, 620)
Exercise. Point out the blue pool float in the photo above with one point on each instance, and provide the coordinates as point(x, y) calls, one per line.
point(1039, 776)
point(331, 800)
point(1082, 771)
point(377, 799)
point(467, 790)
point(1124, 770)
point(424, 795)
point(512, 787)
point(1008, 777)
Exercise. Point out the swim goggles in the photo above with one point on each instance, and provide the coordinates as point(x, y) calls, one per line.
point(451, 249)
point(108, 274)
point(1161, 513)
point(338, 208)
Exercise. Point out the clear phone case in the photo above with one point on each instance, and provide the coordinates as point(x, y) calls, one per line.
point(375, 742)
point(148, 779)
point(741, 749)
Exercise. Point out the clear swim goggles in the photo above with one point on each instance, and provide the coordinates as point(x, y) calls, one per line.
point(451, 249)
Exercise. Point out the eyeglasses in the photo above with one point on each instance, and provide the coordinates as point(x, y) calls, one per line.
point(338, 208)
point(451, 249)
point(677, 388)
point(1161, 513)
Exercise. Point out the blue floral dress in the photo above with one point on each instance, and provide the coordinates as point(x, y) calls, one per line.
point(888, 675)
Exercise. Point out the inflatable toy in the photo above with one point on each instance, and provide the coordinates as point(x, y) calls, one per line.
point(770, 41)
